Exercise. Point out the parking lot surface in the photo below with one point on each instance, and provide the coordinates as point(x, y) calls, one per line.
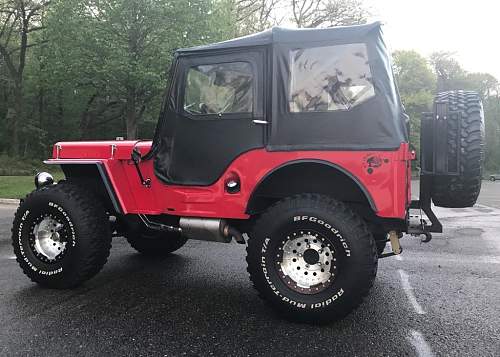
point(439, 298)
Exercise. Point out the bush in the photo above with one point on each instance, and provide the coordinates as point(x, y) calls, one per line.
point(11, 166)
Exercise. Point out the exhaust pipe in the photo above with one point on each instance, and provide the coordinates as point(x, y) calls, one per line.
point(209, 229)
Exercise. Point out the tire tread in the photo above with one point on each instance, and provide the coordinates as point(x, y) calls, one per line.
point(93, 226)
point(330, 206)
point(462, 190)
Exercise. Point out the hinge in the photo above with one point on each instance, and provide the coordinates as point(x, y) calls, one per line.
point(136, 159)
point(58, 150)
point(113, 150)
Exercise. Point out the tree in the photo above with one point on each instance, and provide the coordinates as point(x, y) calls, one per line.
point(117, 51)
point(251, 16)
point(450, 74)
point(255, 15)
point(413, 73)
point(19, 20)
point(328, 13)
point(488, 88)
point(417, 85)
point(484, 83)
point(492, 126)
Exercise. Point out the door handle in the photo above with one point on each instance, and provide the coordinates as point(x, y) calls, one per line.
point(260, 122)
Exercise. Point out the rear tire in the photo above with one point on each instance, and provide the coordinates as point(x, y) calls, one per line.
point(380, 242)
point(492, 179)
point(335, 258)
point(61, 235)
point(462, 190)
point(155, 244)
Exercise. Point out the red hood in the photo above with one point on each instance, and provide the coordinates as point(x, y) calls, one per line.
point(98, 149)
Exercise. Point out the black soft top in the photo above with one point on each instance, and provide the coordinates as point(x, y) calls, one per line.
point(340, 34)
point(378, 123)
point(318, 89)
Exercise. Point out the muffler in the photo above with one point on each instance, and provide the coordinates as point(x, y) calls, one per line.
point(209, 229)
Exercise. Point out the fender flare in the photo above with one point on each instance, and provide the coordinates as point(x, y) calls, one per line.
point(102, 173)
point(314, 161)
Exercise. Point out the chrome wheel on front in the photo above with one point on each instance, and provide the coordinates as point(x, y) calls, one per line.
point(306, 262)
point(48, 241)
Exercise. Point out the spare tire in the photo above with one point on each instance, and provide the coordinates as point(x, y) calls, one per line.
point(462, 190)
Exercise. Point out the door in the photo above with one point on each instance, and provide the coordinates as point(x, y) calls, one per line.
point(217, 114)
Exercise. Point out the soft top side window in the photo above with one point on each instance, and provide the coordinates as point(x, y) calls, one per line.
point(220, 88)
point(329, 78)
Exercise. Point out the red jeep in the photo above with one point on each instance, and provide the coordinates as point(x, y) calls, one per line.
point(293, 142)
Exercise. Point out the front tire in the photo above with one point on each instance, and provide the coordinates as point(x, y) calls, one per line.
point(312, 258)
point(61, 235)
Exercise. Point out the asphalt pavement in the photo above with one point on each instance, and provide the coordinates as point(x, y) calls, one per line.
point(439, 298)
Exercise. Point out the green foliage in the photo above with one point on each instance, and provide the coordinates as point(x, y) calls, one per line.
point(492, 115)
point(452, 76)
point(116, 54)
point(98, 69)
point(101, 68)
point(449, 73)
point(19, 186)
point(420, 79)
point(413, 73)
point(11, 166)
point(416, 83)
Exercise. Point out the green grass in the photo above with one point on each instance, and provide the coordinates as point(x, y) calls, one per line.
point(12, 166)
point(19, 186)
point(17, 175)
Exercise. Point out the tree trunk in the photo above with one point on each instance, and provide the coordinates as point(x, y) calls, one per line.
point(16, 118)
point(86, 118)
point(60, 108)
point(131, 115)
point(41, 106)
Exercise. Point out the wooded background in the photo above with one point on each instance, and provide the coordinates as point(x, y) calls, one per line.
point(97, 69)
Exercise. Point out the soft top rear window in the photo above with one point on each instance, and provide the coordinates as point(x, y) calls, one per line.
point(329, 78)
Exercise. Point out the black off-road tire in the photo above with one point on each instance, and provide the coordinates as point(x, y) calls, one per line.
point(84, 230)
point(462, 190)
point(155, 244)
point(327, 222)
point(380, 242)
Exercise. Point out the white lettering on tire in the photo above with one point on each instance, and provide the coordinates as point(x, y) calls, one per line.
point(327, 226)
point(21, 249)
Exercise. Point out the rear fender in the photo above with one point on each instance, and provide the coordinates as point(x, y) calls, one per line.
point(309, 176)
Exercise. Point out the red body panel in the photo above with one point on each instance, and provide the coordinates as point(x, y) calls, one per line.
point(384, 175)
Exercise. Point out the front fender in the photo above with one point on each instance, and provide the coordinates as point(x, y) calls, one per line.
point(94, 170)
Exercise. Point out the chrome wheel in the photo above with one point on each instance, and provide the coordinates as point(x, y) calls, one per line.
point(48, 239)
point(306, 262)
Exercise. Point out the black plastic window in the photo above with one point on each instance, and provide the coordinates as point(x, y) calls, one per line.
point(329, 78)
point(219, 89)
